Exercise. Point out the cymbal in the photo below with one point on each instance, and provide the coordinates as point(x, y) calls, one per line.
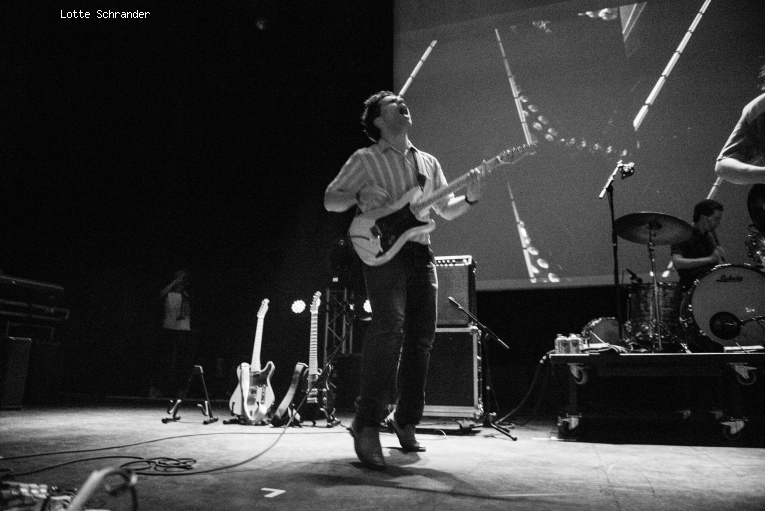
point(663, 229)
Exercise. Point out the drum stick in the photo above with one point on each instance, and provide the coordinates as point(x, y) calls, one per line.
point(714, 189)
point(417, 68)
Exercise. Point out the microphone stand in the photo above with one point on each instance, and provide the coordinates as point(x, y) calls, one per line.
point(486, 333)
point(627, 170)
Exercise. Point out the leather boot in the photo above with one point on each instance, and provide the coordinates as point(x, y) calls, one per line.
point(405, 436)
point(366, 443)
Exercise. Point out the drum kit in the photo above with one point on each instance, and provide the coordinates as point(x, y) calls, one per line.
point(724, 309)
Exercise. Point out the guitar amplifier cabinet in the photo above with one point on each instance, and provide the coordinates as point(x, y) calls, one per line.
point(453, 387)
point(456, 278)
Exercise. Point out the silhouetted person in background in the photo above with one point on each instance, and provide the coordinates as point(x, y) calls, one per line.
point(174, 351)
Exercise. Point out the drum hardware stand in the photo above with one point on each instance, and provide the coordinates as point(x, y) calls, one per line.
point(627, 169)
point(489, 418)
point(653, 229)
point(204, 406)
point(655, 306)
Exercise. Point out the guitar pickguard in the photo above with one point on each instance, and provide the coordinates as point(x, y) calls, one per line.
point(388, 229)
point(260, 401)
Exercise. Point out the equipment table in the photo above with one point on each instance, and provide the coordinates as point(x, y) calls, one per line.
point(733, 370)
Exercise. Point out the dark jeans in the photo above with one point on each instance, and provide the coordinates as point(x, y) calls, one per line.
point(173, 361)
point(403, 294)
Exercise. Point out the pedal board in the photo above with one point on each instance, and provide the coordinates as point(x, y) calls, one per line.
point(15, 496)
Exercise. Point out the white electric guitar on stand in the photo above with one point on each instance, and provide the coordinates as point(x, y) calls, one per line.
point(253, 399)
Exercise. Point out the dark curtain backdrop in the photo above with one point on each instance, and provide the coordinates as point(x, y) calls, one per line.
point(202, 138)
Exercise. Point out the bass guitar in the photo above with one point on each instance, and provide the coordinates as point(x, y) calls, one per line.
point(378, 235)
point(253, 399)
point(320, 401)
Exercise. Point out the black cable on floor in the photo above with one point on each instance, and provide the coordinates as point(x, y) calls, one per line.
point(542, 364)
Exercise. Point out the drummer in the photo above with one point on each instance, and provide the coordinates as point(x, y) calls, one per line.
point(698, 254)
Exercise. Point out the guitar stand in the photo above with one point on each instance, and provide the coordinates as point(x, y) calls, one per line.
point(293, 421)
point(204, 406)
point(244, 421)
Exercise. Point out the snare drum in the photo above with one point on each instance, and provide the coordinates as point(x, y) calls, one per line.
point(726, 306)
point(641, 303)
point(641, 325)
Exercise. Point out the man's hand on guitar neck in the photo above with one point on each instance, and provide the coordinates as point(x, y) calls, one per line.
point(475, 186)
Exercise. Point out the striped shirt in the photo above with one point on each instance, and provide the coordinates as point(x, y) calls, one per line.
point(747, 141)
point(384, 166)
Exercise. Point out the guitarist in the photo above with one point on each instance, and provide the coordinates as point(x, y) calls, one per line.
point(403, 290)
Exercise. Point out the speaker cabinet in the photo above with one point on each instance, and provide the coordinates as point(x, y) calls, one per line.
point(45, 369)
point(453, 387)
point(15, 353)
point(456, 278)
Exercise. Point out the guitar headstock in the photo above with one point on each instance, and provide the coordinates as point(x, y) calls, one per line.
point(315, 302)
point(263, 308)
point(513, 154)
point(507, 157)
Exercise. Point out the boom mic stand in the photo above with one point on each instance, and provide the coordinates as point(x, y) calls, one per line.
point(486, 333)
point(627, 169)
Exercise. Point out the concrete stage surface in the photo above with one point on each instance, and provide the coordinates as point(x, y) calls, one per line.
point(617, 466)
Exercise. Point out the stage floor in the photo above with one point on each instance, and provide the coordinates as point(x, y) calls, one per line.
point(233, 467)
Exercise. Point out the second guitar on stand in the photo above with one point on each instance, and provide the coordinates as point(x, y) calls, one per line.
point(320, 401)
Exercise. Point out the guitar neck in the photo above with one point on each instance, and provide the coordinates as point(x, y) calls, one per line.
point(313, 365)
point(427, 201)
point(255, 365)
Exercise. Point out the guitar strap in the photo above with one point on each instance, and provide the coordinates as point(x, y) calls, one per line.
point(419, 176)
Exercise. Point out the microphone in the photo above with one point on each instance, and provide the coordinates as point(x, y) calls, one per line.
point(627, 168)
point(634, 277)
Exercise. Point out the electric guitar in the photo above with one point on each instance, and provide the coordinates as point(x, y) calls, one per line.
point(253, 399)
point(378, 235)
point(320, 402)
point(295, 394)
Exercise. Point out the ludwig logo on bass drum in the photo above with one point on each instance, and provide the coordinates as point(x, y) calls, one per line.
point(730, 278)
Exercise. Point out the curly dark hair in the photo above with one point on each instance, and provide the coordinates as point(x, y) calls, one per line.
point(372, 112)
point(706, 207)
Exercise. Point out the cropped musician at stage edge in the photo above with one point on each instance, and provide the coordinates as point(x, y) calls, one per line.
point(742, 159)
point(402, 291)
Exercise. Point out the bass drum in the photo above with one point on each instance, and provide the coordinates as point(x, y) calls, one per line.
point(725, 308)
